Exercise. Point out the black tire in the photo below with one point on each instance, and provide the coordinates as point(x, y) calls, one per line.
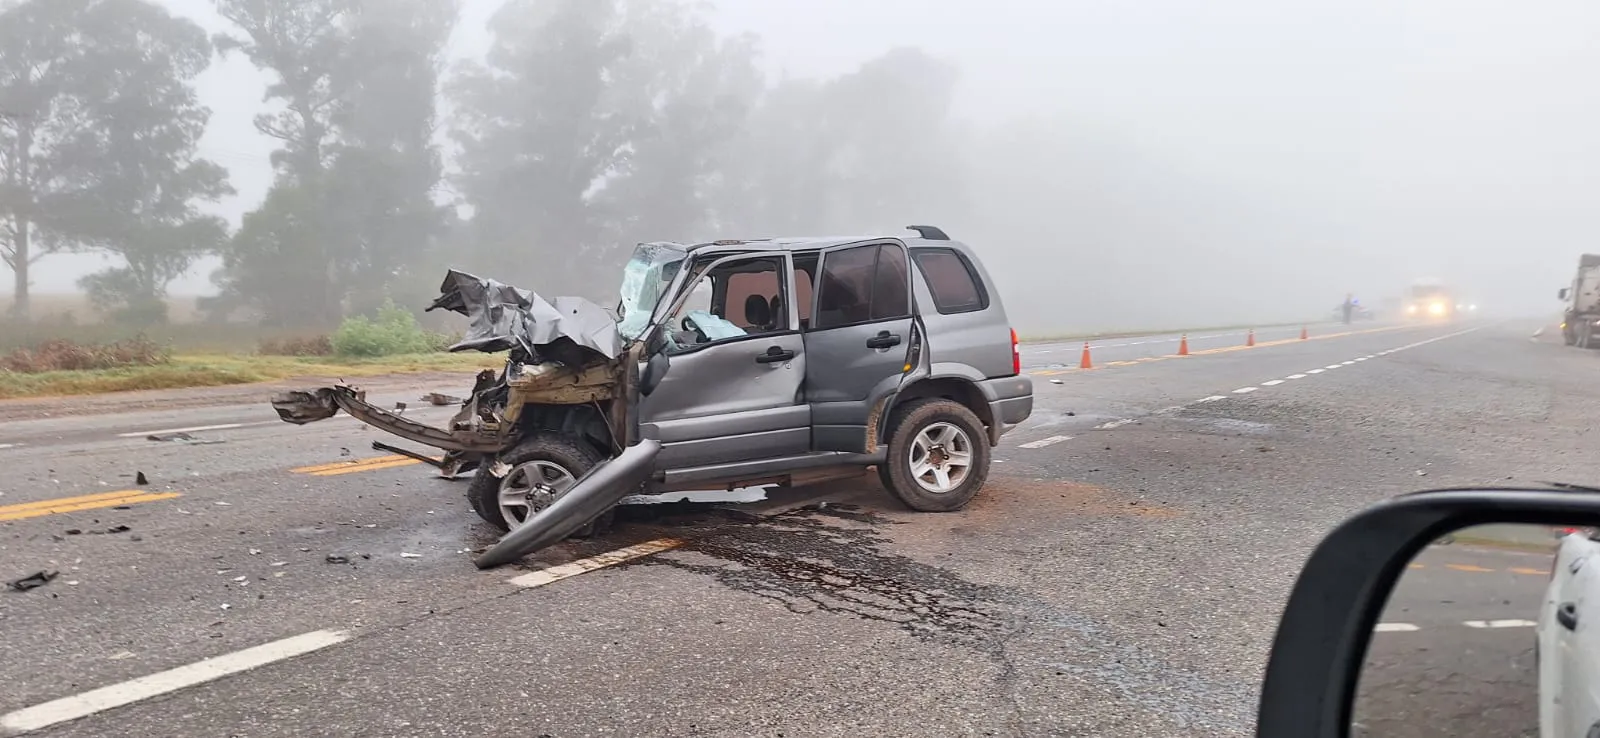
point(576, 457)
point(911, 420)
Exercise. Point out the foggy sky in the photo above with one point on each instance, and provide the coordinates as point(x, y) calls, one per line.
point(1172, 158)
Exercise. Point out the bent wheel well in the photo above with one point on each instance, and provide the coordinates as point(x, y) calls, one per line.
point(955, 390)
point(584, 423)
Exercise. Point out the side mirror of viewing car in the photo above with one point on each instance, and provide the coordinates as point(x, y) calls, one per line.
point(1562, 295)
point(654, 371)
point(1455, 612)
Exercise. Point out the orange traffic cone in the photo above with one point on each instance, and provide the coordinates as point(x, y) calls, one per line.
point(1084, 362)
point(1250, 339)
point(1303, 335)
point(1183, 345)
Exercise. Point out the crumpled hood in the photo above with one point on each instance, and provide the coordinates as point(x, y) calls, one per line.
point(504, 317)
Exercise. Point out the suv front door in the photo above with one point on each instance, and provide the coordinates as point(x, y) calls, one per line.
point(732, 393)
point(856, 343)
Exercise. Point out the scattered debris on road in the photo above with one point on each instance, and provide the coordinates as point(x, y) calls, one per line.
point(439, 399)
point(140, 479)
point(33, 581)
point(337, 559)
point(410, 556)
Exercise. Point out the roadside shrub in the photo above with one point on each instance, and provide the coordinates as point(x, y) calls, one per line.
point(443, 341)
point(393, 331)
point(63, 355)
point(296, 346)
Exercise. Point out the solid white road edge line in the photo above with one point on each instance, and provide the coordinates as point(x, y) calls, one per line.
point(142, 688)
point(1041, 443)
point(599, 561)
point(195, 429)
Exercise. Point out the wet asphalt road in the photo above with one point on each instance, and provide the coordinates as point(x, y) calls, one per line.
point(1121, 575)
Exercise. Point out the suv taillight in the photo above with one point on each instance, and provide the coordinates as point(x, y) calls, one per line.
point(1016, 354)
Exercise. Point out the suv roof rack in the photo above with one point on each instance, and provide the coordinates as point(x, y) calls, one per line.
point(931, 233)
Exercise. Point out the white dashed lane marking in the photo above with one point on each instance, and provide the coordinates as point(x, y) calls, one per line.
point(1052, 440)
point(1479, 624)
point(600, 561)
point(1499, 623)
point(1041, 443)
point(154, 685)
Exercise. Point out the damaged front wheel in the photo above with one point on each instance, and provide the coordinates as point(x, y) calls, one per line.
point(538, 472)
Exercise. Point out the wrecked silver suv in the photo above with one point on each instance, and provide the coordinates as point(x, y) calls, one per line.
point(732, 364)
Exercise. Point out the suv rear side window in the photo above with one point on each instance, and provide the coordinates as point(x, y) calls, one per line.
point(952, 281)
point(862, 285)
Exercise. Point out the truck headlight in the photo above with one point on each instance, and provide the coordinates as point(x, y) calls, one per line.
point(1436, 308)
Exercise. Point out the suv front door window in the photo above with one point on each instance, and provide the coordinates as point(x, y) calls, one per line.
point(857, 341)
point(732, 392)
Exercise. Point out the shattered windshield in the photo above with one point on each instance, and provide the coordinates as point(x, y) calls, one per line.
point(644, 279)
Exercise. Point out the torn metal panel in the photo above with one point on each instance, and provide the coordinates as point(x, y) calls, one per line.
point(557, 384)
point(301, 407)
point(504, 318)
point(593, 494)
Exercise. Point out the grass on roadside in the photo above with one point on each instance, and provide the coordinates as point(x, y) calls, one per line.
point(219, 370)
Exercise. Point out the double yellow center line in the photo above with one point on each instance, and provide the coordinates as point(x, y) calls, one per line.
point(84, 502)
point(356, 465)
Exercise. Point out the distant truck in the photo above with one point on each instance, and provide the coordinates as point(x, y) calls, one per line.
point(1430, 299)
point(1582, 316)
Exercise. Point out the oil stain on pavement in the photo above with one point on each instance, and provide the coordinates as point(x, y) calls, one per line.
point(831, 560)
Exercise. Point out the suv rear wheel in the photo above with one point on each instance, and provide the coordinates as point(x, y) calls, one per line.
point(543, 468)
point(938, 456)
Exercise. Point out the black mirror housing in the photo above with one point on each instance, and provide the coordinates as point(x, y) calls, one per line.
point(654, 371)
point(1322, 638)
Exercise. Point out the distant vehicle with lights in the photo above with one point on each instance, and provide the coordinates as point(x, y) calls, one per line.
point(1580, 322)
point(1431, 299)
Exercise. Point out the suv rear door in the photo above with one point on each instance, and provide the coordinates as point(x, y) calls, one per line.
point(856, 341)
